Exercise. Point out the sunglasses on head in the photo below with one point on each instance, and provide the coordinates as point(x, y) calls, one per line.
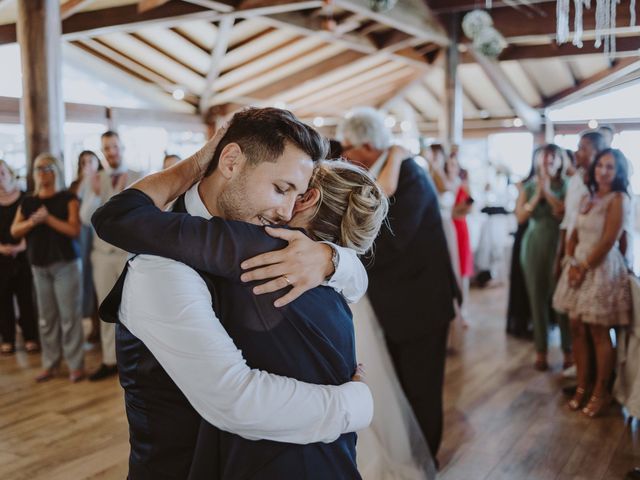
point(45, 169)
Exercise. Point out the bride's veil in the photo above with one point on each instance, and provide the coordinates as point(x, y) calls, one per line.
point(393, 447)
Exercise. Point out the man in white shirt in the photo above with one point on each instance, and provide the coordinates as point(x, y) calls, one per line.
point(168, 306)
point(107, 261)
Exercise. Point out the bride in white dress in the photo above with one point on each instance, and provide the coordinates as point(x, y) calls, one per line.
point(393, 447)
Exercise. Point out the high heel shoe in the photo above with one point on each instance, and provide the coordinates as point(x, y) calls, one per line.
point(597, 405)
point(578, 399)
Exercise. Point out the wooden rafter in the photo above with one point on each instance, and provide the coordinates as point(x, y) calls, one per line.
point(312, 27)
point(530, 116)
point(410, 16)
point(522, 52)
point(146, 5)
point(163, 52)
point(220, 49)
point(71, 7)
point(449, 6)
point(299, 78)
point(214, 5)
point(519, 23)
point(621, 68)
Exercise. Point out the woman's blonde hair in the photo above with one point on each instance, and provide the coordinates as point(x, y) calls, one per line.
point(352, 207)
point(56, 165)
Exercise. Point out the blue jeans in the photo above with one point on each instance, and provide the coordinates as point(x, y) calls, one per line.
point(59, 296)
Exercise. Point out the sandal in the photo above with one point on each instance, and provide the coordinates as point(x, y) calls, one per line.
point(597, 405)
point(31, 347)
point(578, 399)
point(7, 348)
point(76, 375)
point(45, 376)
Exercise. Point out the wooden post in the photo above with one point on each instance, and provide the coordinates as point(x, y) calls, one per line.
point(450, 124)
point(38, 32)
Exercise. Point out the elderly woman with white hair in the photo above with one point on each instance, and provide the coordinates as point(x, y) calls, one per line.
point(411, 294)
point(50, 222)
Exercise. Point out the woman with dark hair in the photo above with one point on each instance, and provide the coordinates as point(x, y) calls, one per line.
point(459, 180)
point(518, 308)
point(594, 287)
point(15, 280)
point(88, 165)
point(541, 203)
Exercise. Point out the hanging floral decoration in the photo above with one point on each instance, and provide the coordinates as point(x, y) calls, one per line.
point(605, 11)
point(478, 26)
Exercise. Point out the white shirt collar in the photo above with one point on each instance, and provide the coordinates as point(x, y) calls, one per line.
point(194, 204)
point(117, 171)
point(377, 167)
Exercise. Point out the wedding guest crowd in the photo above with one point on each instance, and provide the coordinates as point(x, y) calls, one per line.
point(48, 253)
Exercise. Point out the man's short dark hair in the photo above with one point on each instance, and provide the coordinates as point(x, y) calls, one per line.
point(263, 133)
point(596, 139)
point(109, 134)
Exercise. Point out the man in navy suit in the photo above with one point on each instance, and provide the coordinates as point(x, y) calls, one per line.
point(412, 286)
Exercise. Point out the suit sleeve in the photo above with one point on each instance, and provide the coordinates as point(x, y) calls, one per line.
point(406, 214)
point(130, 221)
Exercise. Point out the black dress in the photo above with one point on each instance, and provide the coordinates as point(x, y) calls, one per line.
point(518, 312)
point(15, 280)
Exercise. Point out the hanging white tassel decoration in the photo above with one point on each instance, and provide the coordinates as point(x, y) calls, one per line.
point(632, 12)
point(562, 21)
point(577, 23)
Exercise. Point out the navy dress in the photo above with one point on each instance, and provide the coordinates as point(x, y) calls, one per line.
point(311, 339)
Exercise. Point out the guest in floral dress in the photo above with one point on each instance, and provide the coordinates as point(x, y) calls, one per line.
point(594, 287)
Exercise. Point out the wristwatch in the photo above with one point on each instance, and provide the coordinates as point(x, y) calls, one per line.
point(335, 260)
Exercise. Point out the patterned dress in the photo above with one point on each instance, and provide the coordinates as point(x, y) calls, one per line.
point(604, 297)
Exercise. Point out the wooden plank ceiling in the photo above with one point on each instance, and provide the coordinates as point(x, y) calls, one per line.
point(320, 59)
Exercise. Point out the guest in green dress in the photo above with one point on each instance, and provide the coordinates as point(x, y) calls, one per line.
point(541, 202)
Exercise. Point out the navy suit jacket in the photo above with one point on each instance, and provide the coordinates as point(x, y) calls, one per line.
point(411, 281)
point(311, 339)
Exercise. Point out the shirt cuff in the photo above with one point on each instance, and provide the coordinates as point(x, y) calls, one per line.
point(358, 405)
point(342, 271)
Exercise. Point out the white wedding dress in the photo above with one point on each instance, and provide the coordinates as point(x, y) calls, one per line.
point(393, 447)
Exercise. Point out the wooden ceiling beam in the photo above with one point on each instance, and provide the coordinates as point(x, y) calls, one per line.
point(409, 16)
point(312, 27)
point(529, 115)
point(219, 51)
point(620, 69)
point(71, 7)
point(523, 52)
point(146, 5)
point(519, 23)
point(451, 6)
point(299, 78)
point(223, 7)
point(259, 8)
point(123, 18)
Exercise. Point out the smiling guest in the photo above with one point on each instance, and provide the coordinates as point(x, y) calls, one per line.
point(50, 222)
point(593, 288)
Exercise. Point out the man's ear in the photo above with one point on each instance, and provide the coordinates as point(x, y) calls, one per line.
point(231, 160)
point(309, 200)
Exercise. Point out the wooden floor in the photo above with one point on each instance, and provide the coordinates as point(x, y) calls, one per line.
point(503, 420)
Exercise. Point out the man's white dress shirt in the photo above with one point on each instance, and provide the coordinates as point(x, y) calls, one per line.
point(576, 190)
point(167, 305)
